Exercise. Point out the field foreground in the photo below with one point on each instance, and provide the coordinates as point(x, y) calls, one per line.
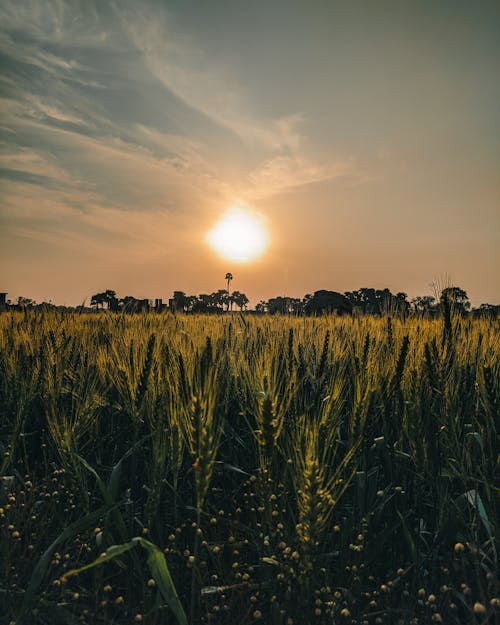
point(248, 470)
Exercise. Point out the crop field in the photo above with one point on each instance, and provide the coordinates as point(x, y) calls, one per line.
point(240, 469)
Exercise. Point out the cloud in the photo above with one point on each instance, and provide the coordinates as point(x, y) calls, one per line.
point(129, 133)
point(281, 174)
point(289, 166)
point(46, 111)
point(57, 22)
point(30, 162)
point(177, 62)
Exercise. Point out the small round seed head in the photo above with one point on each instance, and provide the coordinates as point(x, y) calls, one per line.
point(479, 608)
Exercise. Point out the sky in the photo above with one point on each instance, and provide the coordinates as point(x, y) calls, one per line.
point(365, 135)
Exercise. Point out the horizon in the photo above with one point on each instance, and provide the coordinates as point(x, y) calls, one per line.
point(434, 290)
point(361, 141)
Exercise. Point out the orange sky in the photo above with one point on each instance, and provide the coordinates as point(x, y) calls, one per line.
point(366, 137)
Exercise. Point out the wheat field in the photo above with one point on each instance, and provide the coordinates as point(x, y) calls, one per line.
point(248, 469)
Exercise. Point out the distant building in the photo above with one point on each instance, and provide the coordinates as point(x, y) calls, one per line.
point(159, 306)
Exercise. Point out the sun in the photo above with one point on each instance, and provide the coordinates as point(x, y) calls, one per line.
point(240, 236)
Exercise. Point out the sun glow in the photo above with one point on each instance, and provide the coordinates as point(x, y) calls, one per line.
point(239, 236)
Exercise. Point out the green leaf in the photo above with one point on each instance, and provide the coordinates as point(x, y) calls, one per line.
point(475, 436)
point(408, 536)
point(114, 480)
point(161, 574)
point(157, 565)
point(474, 499)
point(44, 563)
point(231, 467)
point(100, 483)
point(110, 554)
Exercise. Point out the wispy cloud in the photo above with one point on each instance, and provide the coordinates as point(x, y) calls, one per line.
point(87, 90)
point(121, 139)
point(280, 174)
point(179, 63)
point(289, 166)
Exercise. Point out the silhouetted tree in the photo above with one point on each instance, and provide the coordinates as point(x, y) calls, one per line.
point(181, 301)
point(220, 299)
point(457, 297)
point(424, 304)
point(295, 305)
point(113, 304)
point(131, 304)
point(213, 303)
point(25, 302)
point(240, 299)
point(98, 300)
point(378, 301)
point(364, 299)
point(278, 305)
point(201, 304)
point(327, 302)
point(400, 303)
point(281, 305)
point(487, 310)
point(109, 296)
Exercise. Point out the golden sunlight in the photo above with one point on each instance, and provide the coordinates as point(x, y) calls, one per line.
point(239, 236)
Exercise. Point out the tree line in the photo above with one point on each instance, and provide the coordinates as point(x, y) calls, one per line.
point(368, 301)
point(362, 301)
point(216, 302)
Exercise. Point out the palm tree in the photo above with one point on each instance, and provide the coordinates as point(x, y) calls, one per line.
point(229, 277)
